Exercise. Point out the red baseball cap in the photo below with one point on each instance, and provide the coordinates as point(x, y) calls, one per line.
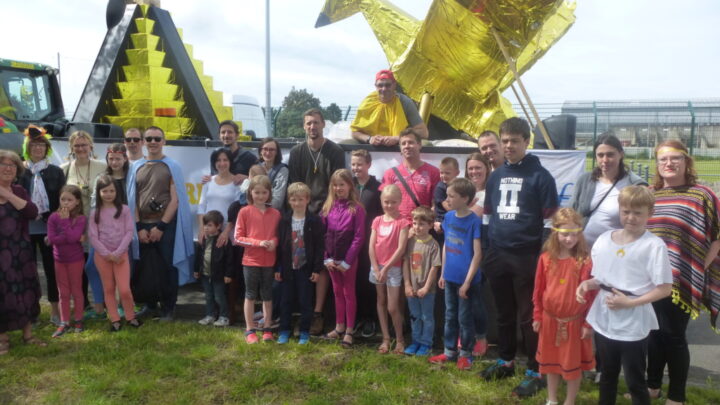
point(385, 74)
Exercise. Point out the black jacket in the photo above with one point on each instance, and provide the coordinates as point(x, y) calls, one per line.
point(370, 199)
point(54, 180)
point(222, 261)
point(313, 236)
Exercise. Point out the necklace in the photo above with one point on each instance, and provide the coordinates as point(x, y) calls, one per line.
point(315, 158)
point(82, 180)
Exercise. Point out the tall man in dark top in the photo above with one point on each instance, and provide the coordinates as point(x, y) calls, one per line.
point(240, 159)
point(519, 196)
point(159, 201)
point(313, 162)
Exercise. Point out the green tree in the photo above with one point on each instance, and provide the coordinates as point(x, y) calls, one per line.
point(333, 113)
point(289, 121)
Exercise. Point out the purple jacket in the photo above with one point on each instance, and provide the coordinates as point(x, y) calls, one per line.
point(345, 232)
point(64, 235)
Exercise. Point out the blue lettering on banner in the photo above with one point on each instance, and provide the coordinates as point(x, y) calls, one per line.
point(565, 194)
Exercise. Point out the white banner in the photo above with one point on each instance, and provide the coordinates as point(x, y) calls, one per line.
point(565, 165)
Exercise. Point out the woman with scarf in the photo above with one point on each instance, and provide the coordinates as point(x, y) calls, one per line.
point(43, 182)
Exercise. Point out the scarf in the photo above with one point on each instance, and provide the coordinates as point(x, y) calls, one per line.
point(377, 118)
point(39, 194)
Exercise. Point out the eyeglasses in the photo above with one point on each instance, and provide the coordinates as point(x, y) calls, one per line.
point(38, 145)
point(7, 165)
point(268, 149)
point(157, 139)
point(383, 85)
point(132, 139)
point(670, 159)
point(81, 145)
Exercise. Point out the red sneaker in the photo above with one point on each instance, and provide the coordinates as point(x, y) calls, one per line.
point(464, 363)
point(268, 337)
point(439, 359)
point(251, 337)
point(480, 348)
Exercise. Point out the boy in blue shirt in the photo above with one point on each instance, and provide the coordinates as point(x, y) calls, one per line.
point(460, 276)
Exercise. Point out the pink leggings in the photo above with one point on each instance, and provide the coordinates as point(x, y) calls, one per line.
point(344, 291)
point(112, 275)
point(69, 282)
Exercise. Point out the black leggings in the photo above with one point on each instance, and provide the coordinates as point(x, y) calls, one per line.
point(668, 345)
point(46, 254)
point(631, 356)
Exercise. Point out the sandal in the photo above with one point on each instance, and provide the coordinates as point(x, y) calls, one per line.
point(399, 348)
point(384, 347)
point(33, 340)
point(345, 343)
point(334, 335)
point(4, 347)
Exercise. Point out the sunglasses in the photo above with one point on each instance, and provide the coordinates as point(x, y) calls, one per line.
point(157, 139)
point(133, 140)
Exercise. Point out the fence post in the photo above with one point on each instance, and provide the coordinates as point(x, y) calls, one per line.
point(594, 131)
point(347, 113)
point(647, 173)
point(692, 127)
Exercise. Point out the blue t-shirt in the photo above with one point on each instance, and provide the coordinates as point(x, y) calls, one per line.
point(460, 234)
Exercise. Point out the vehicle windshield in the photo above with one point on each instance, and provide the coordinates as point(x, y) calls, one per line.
point(24, 95)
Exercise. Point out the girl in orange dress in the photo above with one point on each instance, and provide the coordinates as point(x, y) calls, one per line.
point(565, 345)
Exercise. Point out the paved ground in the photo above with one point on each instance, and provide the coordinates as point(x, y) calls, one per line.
point(704, 343)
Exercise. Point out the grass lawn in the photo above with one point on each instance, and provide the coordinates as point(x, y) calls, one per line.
point(184, 363)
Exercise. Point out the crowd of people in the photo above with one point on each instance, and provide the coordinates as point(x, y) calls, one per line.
point(626, 264)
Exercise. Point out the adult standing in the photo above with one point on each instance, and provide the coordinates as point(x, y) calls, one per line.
point(686, 219)
point(217, 194)
point(477, 170)
point(596, 193)
point(158, 199)
point(81, 170)
point(19, 286)
point(489, 145)
point(519, 196)
point(240, 159)
point(385, 113)
point(277, 171)
point(415, 178)
point(313, 162)
point(134, 144)
point(43, 181)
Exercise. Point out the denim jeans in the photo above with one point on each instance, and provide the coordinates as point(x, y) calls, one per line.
point(422, 321)
point(94, 278)
point(296, 288)
point(214, 295)
point(459, 319)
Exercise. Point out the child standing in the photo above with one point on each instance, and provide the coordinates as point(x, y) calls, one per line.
point(564, 347)
point(388, 240)
point(256, 231)
point(214, 268)
point(449, 170)
point(344, 219)
point(110, 243)
point(66, 227)
point(300, 258)
point(632, 269)
point(461, 275)
point(420, 269)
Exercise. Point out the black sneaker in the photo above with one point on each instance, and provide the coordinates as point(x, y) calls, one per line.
point(368, 329)
point(115, 326)
point(530, 385)
point(499, 371)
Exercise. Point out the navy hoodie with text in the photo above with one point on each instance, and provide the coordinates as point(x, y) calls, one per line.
point(518, 197)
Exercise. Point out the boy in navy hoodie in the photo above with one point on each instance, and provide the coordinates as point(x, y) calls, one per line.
point(519, 196)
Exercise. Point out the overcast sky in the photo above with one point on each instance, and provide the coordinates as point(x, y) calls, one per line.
point(617, 49)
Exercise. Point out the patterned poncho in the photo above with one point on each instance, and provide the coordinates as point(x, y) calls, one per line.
point(686, 218)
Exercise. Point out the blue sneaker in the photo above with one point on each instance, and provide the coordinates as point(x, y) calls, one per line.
point(423, 350)
point(283, 337)
point(530, 385)
point(304, 338)
point(412, 349)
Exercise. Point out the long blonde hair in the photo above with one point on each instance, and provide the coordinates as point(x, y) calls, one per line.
point(345, 176)
point(567, 216)
point(74, 137)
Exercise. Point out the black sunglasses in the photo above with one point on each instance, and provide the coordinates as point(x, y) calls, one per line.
point(157, 139)
point(132, 140)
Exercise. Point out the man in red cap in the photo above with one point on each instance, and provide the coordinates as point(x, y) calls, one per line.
point(383, 114)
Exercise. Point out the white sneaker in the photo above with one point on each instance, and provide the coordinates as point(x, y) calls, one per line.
point(222, 321)
point(206, 321)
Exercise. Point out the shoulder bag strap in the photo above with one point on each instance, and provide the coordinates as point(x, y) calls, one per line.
point(406, 186)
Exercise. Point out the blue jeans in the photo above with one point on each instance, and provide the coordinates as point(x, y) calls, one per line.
point(94, 278)
point(214, 295)
point(167, 248)
point(459, 319)
point(422, 321)
point(296, 287)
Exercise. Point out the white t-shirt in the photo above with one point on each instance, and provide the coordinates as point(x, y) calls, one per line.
point(217, 197)
point(607, 215)
point(637, 267)
point(480, 197)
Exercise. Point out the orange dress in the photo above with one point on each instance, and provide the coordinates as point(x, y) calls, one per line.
point(560, 349)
